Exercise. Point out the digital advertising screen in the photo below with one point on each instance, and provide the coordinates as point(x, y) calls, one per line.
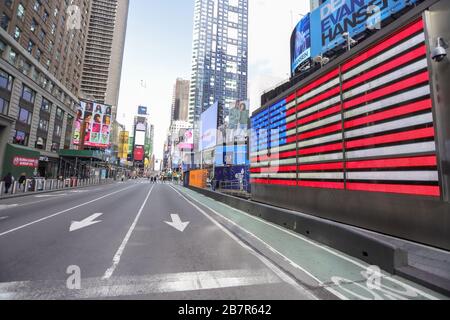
point(140, 138)
point(301, 43)
point(142, 110)
point(188, 141)
point(96, 118)
point(209, 120)
point(235, 126)
point(333, 18)
point(139, 153)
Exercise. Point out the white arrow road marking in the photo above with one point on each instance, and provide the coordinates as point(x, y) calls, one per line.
point(89, 221)
point(7, 206)
point(177, 223)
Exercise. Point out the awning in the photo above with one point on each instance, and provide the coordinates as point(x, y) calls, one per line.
point(83, 154)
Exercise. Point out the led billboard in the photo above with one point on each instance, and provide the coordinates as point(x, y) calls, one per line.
point(301, 43)
point(96, 119)
point(140, 138)
point(322, 30)
point(142, 110)
point(235, 126)
point(139, 152)
point(209, 121)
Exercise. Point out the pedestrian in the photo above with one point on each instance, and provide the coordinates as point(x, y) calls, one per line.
point(22, 180)
point(8, 180)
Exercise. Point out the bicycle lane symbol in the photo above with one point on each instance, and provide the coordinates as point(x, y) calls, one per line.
point(379, 287)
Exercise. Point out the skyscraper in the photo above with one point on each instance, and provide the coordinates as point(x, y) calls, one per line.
point(220, 46)
point(42, 47)
point(104, 51)
point(180, 103)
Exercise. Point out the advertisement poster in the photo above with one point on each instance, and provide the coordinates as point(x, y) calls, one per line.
point(139, 153)
point(142, 111)
point(333, 18)
point(301, 43)
point(97, 120)
point(235, 127)
point(209, 121)
point(188, 141)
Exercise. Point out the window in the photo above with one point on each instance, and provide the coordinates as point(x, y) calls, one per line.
point(21, 12)
point(8, 3)
point(43, 125)
point(34, 25)
point(46, 105)
point(12, 58)
point(41, 143)
point(55, 146)
point(6, 80)
point(45, 16)
point(58, 131)
point(38, 54)
point(25, 116)
point(17, 33)
point(30, 46)
point(37, 5)
point(4, 105)
point(21, 138)
point(4, 22)
point(28, 94)
point(59, 114)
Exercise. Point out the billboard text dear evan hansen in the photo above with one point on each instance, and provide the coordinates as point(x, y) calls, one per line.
point(378, 136)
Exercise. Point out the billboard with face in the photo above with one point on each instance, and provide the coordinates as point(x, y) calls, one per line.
point(96, 119)
point(235, 127)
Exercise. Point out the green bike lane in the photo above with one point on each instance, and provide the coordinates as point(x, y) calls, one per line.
point(342, 276)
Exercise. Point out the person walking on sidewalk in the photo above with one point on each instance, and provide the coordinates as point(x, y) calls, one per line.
point(8, 180)
point(22, 180)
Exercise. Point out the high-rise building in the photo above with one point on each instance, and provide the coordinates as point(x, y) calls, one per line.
point(42, 47)
point(316, 3)
point(180, 102)
point(220, 62)
point(104, 51)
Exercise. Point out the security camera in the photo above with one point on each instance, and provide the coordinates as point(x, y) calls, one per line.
point(440, 52)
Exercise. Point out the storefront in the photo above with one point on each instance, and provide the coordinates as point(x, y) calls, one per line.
point(19, 160)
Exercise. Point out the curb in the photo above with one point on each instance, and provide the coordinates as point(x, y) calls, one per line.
point(31, 193)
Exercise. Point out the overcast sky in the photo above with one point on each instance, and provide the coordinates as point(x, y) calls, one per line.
point(159, 47)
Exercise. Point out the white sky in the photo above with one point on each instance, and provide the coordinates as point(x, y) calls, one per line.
point(155, 58)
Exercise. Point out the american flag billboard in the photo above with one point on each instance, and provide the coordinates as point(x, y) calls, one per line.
point(366, 125)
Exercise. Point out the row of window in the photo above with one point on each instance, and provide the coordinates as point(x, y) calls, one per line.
point(25, 117)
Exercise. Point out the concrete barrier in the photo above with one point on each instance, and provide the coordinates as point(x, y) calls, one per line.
point(344, 238)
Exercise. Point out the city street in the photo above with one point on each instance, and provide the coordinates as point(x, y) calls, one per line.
point(138, 240)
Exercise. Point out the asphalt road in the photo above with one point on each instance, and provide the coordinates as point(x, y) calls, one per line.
point(138, 240)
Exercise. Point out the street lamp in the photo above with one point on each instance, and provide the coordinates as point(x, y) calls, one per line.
point(350, 41)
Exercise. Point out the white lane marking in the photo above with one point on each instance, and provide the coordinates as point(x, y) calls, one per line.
point(362, 266)
point(4, 218)
point(177, 223)
point(51, 195)
point(89, 221)
point(7, 206)
point(61, 212)
point(137, 286)
point(280, 273)
point(49, 199)
point(121, 249)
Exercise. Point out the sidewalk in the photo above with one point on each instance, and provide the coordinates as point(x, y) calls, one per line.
point(423, 264)
point(20, 194)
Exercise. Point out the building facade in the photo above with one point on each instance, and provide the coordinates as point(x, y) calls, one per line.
point(180, 102)
point(220, 62)
point(104, 52)
point(41, 60)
